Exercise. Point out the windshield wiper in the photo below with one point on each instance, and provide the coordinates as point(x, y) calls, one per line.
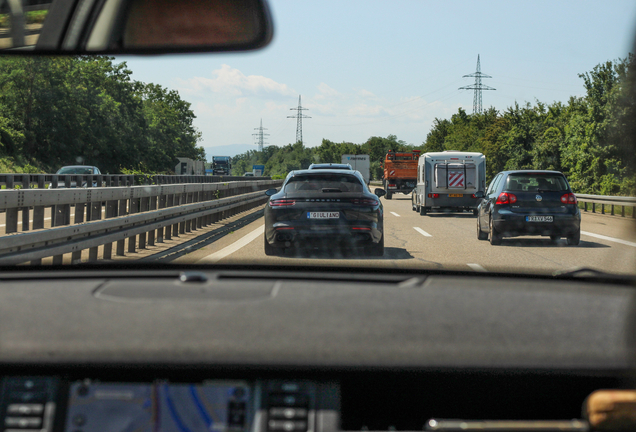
point(326, 190)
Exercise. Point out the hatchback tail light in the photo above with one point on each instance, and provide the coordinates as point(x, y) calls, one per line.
point(506, 198)
point(432, 195)
point(569, 198)
point(282, 202)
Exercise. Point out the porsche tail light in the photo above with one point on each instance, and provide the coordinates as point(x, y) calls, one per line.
point(365, 202)
point(506, 198)
point(569, 198)
point(282, 202)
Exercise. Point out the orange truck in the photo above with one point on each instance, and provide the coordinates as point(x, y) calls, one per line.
point(400, 172)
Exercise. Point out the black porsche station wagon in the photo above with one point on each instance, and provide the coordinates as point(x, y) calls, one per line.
point(324, 208)
point(519, 203)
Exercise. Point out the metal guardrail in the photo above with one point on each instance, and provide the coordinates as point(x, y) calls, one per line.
point(604, 200)
point(41, 181)
point(139, 216)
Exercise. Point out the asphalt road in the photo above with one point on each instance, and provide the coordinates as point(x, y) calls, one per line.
point(434, 241)
point(446, 241)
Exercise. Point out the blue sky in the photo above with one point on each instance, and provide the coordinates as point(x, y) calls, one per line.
point(373, 68)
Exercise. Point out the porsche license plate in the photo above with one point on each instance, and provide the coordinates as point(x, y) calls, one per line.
point(323, 215)
point(456, 195)
point(539, 218)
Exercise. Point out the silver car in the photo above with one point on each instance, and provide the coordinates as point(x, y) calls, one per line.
point(77, 170)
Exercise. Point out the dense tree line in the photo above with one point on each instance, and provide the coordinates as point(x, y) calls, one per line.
point(279, 161)
point(57, 111)
point(592, 139)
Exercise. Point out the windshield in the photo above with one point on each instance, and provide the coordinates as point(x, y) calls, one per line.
point(498, 91)
point(75, 170)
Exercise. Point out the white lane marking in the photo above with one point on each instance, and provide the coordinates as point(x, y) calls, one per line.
point(477, 267)
point(395, 214)
point(612, 239)
point(228, 250)
point(421, 231)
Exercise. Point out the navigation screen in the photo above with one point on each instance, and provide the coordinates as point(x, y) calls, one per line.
point(159, 407)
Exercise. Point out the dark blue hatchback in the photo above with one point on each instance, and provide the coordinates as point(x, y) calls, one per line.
point(520, 203)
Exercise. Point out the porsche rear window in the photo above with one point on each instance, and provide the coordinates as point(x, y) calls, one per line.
point(320, 183)
point(534, 182)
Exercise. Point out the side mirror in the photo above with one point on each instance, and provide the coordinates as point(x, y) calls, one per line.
point(379, 192)
point(270, 192)
point(479, 194)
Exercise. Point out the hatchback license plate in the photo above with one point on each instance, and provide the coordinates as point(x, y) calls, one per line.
point(539, 218)
point(323, 215)
point(456, 195)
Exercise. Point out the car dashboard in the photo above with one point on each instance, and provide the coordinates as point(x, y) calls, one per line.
point(306, 350)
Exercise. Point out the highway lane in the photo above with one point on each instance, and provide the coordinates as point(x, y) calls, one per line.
point(448, 241)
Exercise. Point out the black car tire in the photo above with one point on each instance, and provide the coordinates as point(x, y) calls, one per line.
point(376, 249)
point(475, 212)
point(575, 238)
point(481, 235)
point(494, 236)
point(554, 238)
point(271, 250)
point(388, 195)
point(422, 211)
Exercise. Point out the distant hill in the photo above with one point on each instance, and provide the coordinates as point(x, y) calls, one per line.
point(228, 150)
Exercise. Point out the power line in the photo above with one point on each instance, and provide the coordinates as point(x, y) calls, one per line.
point(478, 87)
point(299, 124)
point(260, 136)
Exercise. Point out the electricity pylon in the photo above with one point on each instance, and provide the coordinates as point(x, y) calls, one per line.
point(299, 124)
point(478, 87)
point(260, 136)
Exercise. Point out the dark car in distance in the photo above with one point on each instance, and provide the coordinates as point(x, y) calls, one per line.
point(529, 202)
point(324, 208)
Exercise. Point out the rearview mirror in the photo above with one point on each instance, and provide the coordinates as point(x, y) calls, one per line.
point(479, 194)
point(270, 192)
point(379, 192)
point(139, 26)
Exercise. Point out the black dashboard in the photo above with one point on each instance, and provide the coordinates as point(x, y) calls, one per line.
point(299, 350)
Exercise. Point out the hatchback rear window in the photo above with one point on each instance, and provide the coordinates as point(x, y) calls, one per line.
point(324, 183)
point(535, 182)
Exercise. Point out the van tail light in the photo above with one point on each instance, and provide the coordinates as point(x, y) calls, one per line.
point(506, 198)
point(282, 202)
point(432, 195)
point(569, 198)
